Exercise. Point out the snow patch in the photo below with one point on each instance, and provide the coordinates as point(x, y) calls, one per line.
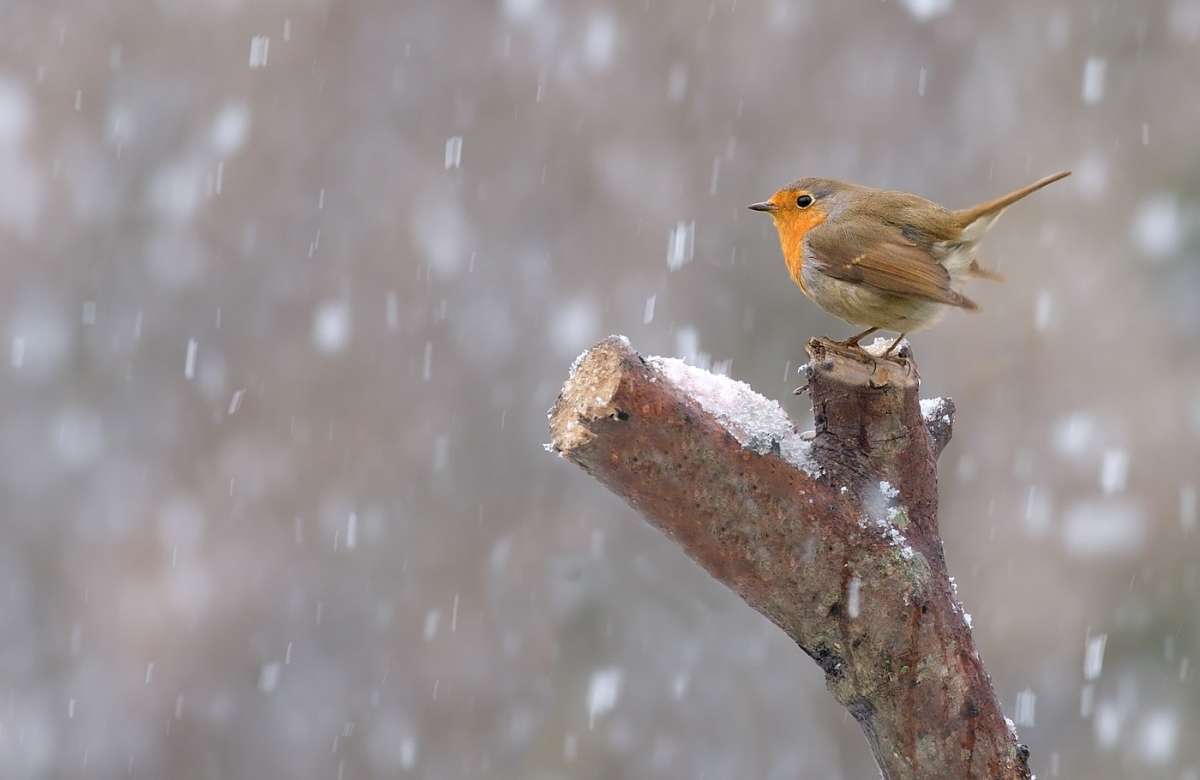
point(929, 406)
point(888, 517)
point(890, 531)
point(882, 344)
point(936, 410)
point(759, 424)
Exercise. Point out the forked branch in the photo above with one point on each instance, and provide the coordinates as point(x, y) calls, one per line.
point(833, 535)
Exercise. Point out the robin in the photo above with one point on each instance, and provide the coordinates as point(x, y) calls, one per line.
point(881, 259)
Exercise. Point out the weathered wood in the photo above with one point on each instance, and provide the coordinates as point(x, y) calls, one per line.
point(832, 535)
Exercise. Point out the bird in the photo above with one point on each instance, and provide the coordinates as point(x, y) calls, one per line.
point(880, 259)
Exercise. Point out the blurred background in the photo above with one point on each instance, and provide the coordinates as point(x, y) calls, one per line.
point(287, 288)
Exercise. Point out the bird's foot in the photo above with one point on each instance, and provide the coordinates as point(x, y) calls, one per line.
point(902, 355)
point(851, 349)
point(853, 341)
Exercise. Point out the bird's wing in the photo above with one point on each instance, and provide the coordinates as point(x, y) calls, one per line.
point(880, 255)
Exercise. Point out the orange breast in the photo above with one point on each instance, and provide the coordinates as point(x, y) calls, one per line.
point(793, 226)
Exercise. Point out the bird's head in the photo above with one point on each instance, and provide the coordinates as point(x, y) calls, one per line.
point(799, 207)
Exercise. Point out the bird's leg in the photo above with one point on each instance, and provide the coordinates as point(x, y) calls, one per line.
point(854, 350)
point(895, 344)
point(853, 340)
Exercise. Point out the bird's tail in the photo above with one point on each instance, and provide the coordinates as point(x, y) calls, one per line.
point(976, 220)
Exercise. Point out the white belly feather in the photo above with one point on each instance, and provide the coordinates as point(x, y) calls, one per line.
point(859, 304)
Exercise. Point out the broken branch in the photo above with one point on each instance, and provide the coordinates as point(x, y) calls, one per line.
point(832, 535)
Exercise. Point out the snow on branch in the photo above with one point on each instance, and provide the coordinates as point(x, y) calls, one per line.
point(830, 534)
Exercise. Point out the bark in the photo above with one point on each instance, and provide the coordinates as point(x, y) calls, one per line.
point(804, 529)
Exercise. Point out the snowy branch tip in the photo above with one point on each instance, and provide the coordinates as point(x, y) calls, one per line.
point(938, 414)
point(759, 424)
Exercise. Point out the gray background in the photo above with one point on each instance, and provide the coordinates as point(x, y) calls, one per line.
point(330, 544)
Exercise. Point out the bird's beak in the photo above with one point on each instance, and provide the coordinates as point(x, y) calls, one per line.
point(766, 205)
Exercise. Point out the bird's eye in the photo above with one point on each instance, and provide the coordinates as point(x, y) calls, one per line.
point(804, 201)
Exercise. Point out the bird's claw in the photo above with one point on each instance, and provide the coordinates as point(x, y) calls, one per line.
point(852, 349)
point(850, 344)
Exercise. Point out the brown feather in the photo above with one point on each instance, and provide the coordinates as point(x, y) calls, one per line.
point(879, 255)
point(965, 217)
